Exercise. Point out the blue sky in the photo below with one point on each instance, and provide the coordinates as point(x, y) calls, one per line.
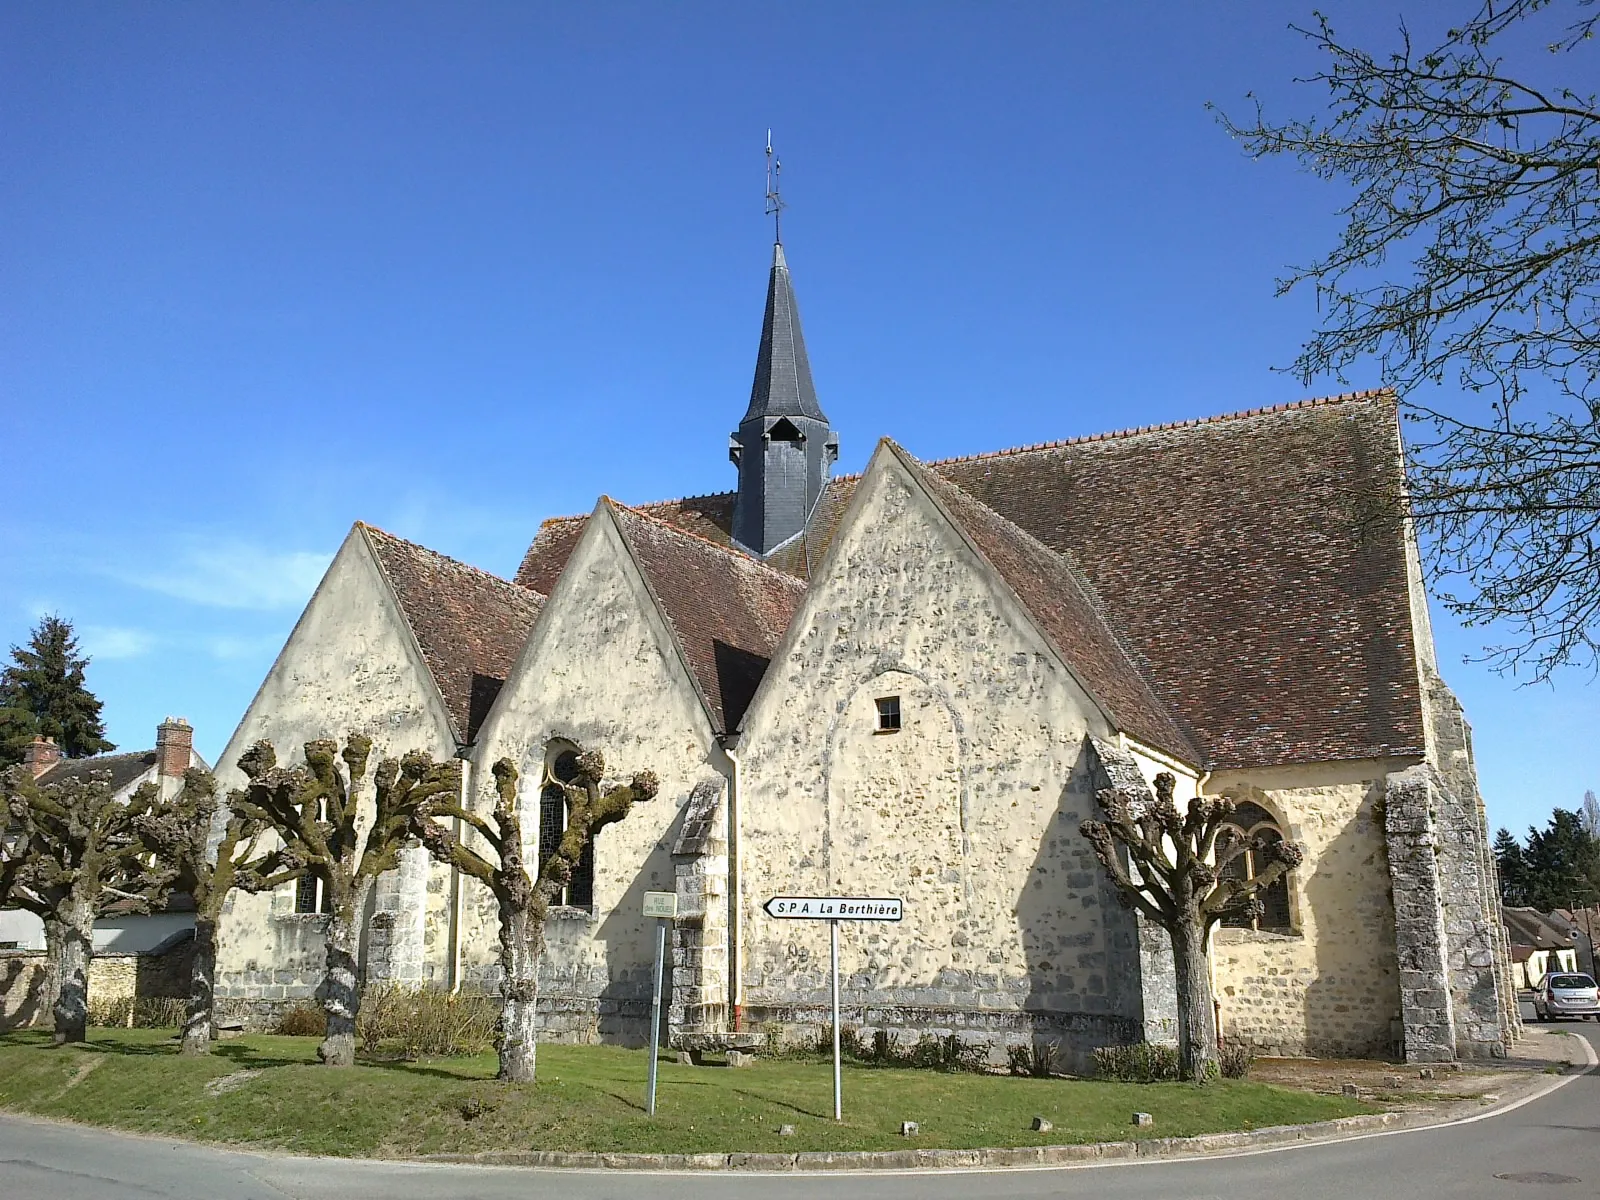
point(451, 269)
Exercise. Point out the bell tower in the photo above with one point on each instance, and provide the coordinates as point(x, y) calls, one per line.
point(784, 447)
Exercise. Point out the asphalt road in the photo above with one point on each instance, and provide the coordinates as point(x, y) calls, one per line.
point(1553, 1142)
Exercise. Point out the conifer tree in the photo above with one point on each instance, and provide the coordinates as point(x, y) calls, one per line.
point(42, 693)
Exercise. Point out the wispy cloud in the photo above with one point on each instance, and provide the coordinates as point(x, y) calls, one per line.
point(229, 648)
point(115, 641)
point(235, 574)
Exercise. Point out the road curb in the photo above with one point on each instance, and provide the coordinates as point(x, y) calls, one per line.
point(1085, 1154)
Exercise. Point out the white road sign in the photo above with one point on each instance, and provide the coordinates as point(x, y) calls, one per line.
point(834, 908)
point(661, 904)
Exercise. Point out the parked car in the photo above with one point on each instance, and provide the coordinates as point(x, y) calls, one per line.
point(1566, 994)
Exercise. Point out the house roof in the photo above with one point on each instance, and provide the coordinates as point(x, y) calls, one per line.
point(122, 769)
point(1240, 555)
point(1531, 928)
point(469, 624)
point(726, 610)
point(1067, 611)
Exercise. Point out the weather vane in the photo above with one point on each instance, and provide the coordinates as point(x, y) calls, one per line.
point(774, 198)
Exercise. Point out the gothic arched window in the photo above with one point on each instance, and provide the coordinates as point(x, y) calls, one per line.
point(1256, 828)
point(560, 767)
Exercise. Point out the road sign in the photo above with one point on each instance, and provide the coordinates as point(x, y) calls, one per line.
point(834, 908)
point(661, 904)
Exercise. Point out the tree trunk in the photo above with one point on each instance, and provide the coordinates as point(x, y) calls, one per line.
point(340, 993)
point(202, 975)
point(50, 988)
point(76, 946)
point(1197, 1022)
point(521, 948)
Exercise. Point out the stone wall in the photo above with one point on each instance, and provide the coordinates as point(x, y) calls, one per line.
point(601, 670)
point(1329, 986)
point(22, 974)
point(969, 812)
point(348, 665)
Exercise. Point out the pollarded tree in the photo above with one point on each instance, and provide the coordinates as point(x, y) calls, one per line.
point(315, 810)
point(1180, 879)
point(524, 899)
point(72, 850)
point(179, 833)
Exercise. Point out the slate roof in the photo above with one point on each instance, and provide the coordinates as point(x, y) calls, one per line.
point(727, 610)
point(1237, 553)
point(123, 769)
point(782, 386)
point(469, 624)
point(1067, 611)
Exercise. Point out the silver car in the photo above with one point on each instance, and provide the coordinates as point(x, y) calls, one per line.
point(1566, 994)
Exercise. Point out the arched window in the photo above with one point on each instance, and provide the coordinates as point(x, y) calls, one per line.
point(1254, 826)
point(561, 766)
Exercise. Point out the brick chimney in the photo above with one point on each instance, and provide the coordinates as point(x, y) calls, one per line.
point(40, 755)
point(174, 746)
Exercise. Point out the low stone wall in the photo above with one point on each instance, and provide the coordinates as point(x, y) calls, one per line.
point(21, 988)
point(1075, 1036)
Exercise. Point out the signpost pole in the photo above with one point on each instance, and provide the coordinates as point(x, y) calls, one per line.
point(655, 1009)
point(833, 955)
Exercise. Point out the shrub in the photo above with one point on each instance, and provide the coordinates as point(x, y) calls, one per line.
point(118, 1011)
point(303, 1020)
point(426, 1022)
point(159, 1012)
point(1037, 1061)
point(1142, 1062)
point(1235, 1061)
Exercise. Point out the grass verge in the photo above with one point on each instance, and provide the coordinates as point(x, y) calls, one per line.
point(589, 1098)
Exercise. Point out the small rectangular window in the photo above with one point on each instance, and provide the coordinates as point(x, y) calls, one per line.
point(888, 713)
point(579, 892)
point(310, 896)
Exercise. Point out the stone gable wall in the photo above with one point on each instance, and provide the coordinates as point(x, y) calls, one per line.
point(970, 812)
point(348, 665)
point(599, 671)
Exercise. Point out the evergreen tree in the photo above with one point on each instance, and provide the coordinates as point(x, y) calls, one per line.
point(1513, 864)
point(1563, 864)
point(42, 692)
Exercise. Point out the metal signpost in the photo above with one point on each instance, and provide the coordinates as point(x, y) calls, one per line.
point(663, 906)
point(832, 909)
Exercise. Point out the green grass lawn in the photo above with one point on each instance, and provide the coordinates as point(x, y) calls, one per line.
point(590, 1098)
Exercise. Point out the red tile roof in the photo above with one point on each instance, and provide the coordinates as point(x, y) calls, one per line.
point(469, 624)
point(1068, 612)
point(726, 610)
point(1238, 553)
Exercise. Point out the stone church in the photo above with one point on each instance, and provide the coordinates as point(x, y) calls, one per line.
point(911, 682)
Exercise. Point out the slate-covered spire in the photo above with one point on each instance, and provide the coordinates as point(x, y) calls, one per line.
point(784, 448)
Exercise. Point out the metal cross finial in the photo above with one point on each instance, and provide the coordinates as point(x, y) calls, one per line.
point(774, 198)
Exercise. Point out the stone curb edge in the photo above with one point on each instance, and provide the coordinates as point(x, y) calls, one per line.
point(1019, 1156)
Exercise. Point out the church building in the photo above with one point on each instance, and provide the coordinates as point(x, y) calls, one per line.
point(911, 682)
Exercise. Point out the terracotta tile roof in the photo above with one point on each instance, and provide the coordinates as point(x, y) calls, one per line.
point(1233, 550)
point(1068, 612)
point(470, 625)
point(727, 610)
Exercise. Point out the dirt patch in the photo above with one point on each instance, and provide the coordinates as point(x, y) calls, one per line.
point(224, 1084)
point(80, 1073)
point(1400, 1085)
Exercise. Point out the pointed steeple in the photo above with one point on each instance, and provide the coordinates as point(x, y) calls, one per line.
point(784, 448)
point(782, 386)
